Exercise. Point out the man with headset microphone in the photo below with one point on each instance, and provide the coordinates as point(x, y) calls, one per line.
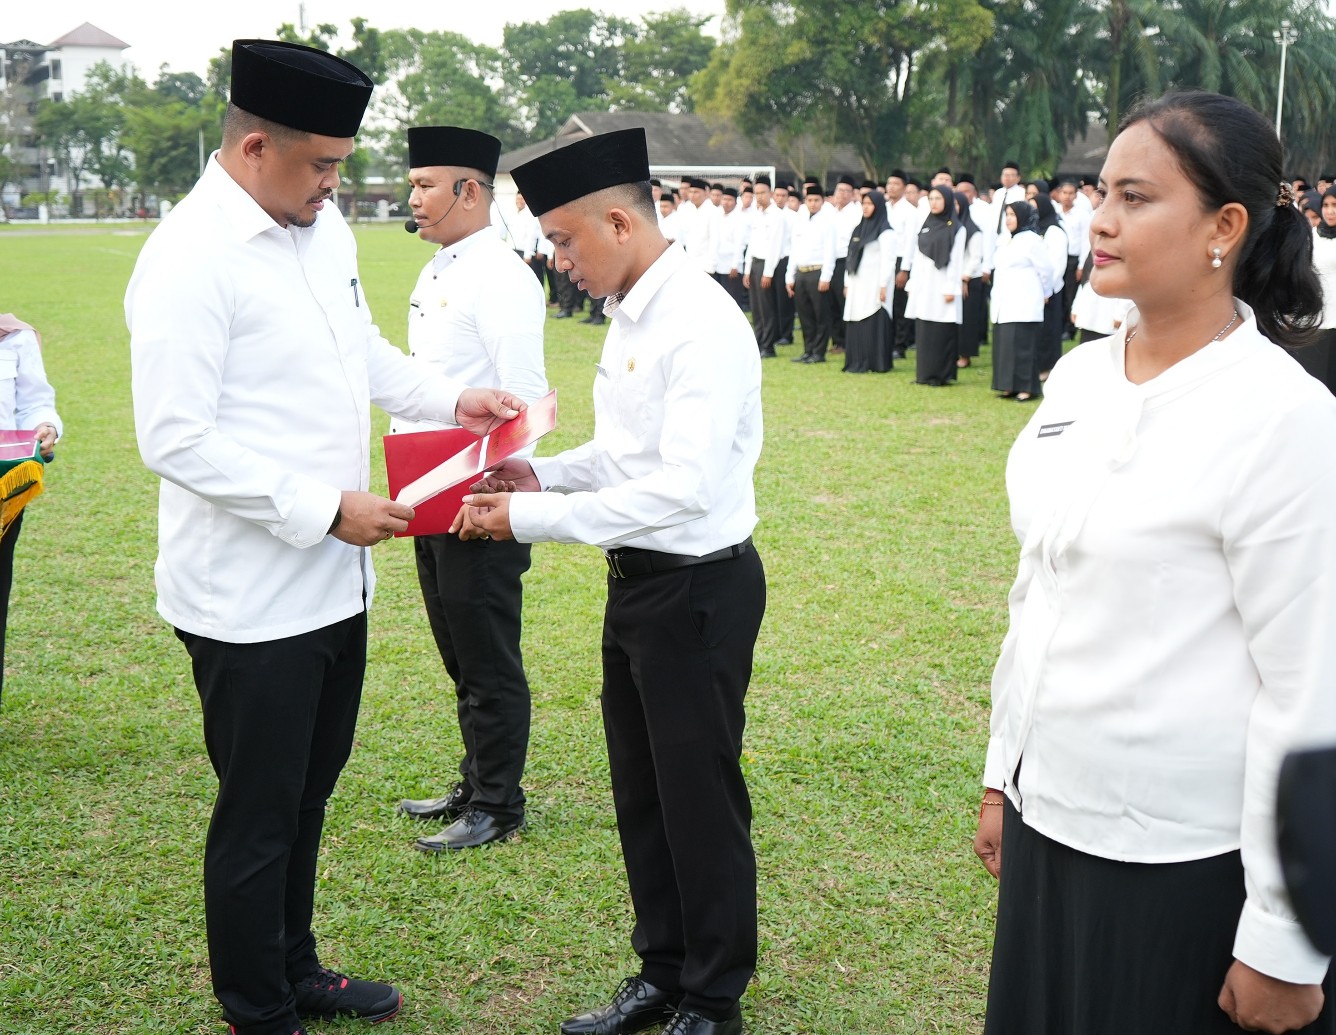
point(476, 313)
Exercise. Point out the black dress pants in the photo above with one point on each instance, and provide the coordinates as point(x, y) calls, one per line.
point(568, 296)
point(835, 304)
point(813, 313)
point(279, 718)
point(784, 307)
point(677, 658)
point(473, 597)
point(765, 318)
point(1069, 286)
point(6, 582)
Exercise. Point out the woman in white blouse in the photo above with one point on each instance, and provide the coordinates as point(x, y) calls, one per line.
point(1175, 500)
point(1021, 286)
point(27, 402)
point(868, 273)
point(937, 262)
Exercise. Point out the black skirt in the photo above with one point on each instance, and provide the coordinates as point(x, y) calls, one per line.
point(1091, 946)
point(867, 344)
point(935, 359)
point(1016, 357)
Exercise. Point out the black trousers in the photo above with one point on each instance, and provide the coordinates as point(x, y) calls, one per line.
point(835, 303)
point(538, 263)
point(1069, 286)
point(6, 582)
point(568, 296)
point(765, 318)
point(473, 596)
point(784, 308)
point(813, 313)
point(279, 718)
point(733, 285)
point(905, 329)
point(677, 658)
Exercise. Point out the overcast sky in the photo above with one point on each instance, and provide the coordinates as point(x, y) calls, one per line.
point(186, 36)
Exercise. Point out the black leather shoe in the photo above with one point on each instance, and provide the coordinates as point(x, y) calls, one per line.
point(450, 807)
point(767, 353)
point(784, 341)
point(562, 315)
point(688, 1022)
point(473, 829)
point(637, 1005)
point(800, 359)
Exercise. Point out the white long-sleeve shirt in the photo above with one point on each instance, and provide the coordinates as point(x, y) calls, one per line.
point(768, 238)
point(1021, 271)
point(26, 396)
point(476, 315)
point(1324, 261)
point(929, 286)
point(876, 270)
point(813, 243)
point(677, 427)
point(1175, 600)
point(254, 365)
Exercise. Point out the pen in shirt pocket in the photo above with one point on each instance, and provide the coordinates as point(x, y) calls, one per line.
point(356, 300)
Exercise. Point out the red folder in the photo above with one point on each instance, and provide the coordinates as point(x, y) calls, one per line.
point(438, 467)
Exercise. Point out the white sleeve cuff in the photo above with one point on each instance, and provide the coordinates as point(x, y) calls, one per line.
point(995, 766)
point(1278, 948)
point(312, 512)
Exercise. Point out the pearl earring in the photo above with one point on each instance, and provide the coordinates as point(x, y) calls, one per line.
point(1215, 263)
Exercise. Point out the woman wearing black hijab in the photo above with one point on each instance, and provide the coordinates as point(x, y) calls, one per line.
point(1021, 283)
point(935, 289)
point(1055, 241)
point(1319, 358)
point(868, 273)
point(973, 313)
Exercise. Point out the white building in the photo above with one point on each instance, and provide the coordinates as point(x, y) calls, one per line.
point(31, 72)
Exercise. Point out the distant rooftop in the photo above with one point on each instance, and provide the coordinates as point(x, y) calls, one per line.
point(89, 35)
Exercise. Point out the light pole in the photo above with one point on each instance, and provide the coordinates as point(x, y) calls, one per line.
point(1286, 37)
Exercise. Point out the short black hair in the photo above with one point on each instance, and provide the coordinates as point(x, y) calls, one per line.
point(238, 123)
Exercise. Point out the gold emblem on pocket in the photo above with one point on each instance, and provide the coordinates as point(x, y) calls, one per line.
point(443, 303)
point(631, 365)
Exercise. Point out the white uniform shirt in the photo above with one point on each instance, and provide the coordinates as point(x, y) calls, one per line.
point(1021, 271)
point(524, 227)
point(845, 220)
point(905, 221)
point(997, 219)
point(732, 242)
point(1077, 224)
point(813, 243)
point(928, 286)
point(677, 427)
point(702, 239)
point(876, 270)
point(769, 238)
point(254, 365)
point(476, 314)
point(26, 397)
point(1173, 605)
point(1324, 261)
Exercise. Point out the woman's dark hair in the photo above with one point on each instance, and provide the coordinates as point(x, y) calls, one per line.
point(1232, 154)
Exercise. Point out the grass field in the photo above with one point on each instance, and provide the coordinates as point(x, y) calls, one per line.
point(884, 533)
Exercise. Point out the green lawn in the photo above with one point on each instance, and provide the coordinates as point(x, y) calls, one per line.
point(884, 533)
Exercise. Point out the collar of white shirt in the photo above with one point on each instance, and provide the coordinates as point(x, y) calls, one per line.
point(448, 253)
point(632, 304)
point(243, 214)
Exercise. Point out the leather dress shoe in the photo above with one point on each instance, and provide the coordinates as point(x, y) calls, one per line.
point(473, 829)
point(637, 1005)
point(689, 1022)
point(564, 314)
point(767, 353)
point(450, 807)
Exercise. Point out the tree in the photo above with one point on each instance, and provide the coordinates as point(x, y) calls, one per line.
point(845, 71)
point(657, 61)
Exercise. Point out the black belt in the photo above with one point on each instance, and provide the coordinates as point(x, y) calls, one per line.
point(627, 562)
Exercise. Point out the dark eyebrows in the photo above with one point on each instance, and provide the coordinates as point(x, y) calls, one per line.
point(1127, 181)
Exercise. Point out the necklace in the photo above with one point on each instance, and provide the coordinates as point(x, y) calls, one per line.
point(1233, 319)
